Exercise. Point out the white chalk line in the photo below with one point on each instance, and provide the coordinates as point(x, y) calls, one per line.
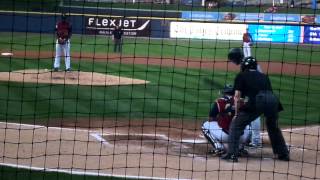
point(39, 127)
point(162, 136)
point(98, 137)
point(95, 135)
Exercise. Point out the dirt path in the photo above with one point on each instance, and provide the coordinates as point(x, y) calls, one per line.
point(149, 148)
point(218, 64)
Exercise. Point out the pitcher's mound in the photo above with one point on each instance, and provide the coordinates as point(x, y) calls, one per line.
point(62, 77)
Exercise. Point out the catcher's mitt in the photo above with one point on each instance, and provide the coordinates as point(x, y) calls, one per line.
point(62, 41)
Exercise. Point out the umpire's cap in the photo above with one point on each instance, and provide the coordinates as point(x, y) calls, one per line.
point(228, 89)
point(249, 63)
point(235, 55)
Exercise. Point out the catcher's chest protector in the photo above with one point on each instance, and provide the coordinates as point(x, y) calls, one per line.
point(224, 118)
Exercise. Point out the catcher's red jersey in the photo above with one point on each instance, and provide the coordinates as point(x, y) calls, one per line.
point(63, 29)
point(224, 118)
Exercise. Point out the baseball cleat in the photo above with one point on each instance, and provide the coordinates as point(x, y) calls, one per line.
point(284, 157)
point(217, 152)
point(230, 157)
point(255, 146)
point(243, 153)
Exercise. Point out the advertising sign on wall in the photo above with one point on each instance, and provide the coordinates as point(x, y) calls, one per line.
point(311, 35)
point(274, 18)
point(105, 25)
point(199, 15)
point(275, 33)
point(196, 30)
point(221, 16)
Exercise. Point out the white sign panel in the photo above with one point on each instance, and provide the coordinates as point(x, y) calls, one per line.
point(197, 30)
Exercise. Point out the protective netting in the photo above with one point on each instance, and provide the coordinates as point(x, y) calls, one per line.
point(132, 102)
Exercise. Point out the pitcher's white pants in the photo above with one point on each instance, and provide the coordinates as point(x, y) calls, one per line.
point(62, 50)
point(246, 49)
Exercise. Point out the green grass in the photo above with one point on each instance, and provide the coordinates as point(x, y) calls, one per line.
point(8, 173)
point(171, 93)
point(205, 50)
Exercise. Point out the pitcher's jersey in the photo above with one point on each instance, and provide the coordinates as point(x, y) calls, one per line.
point(246, 38)
point(63, 29)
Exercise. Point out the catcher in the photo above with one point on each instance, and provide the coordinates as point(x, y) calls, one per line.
point(216, 129)
point(63, 34)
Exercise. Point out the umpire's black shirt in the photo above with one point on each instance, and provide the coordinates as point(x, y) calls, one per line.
point(249, 83)
point(117, 33)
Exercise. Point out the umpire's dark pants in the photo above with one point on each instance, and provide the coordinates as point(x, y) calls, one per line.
point(117, 45)
point(267, 104)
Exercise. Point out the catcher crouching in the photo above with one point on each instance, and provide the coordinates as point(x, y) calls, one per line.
point(216, 129)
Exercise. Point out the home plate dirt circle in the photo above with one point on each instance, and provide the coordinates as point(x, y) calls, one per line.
point(61, 77)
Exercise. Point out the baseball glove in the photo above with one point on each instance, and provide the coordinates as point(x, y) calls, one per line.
point(62, 41)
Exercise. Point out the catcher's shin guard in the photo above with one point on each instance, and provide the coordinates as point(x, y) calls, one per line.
point(213, 141)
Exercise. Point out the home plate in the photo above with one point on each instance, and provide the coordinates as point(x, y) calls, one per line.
point(6, 54)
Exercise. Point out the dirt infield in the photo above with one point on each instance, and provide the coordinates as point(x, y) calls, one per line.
point(215, 64)
point(171, 149)
point(148, 148)
point(62, 77)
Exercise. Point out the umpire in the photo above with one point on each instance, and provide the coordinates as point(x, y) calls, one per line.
point(257, 88)
point(117, 39)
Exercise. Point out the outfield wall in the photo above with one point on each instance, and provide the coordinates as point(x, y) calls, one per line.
point(159, 28)
point(102, 25)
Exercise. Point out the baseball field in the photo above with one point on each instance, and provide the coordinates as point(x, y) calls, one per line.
point(138, 114)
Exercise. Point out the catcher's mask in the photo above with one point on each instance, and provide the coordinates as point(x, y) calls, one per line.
point(249, 63)
point(228, 89)
point(235, 55)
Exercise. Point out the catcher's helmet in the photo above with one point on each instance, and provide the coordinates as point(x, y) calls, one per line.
point(249, 63)
point(228, 89)
point(235, 55)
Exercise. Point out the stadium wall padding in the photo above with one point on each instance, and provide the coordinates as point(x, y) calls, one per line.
point(39, 23)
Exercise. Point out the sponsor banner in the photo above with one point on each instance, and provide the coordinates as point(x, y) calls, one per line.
point(272, 17)
point(251, 17)
point(199, 15)
point(275, 33)
point(311, 35)
point(241, 17)
point(196, 30)
point(191, 2)
point(105, 25)
point(308, 19)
